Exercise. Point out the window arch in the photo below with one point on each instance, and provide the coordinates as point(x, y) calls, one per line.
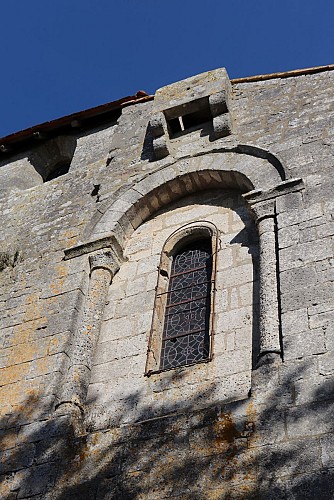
point(181, 332)
point(185, 338)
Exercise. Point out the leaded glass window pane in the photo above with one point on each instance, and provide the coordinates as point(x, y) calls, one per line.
point(186, 328)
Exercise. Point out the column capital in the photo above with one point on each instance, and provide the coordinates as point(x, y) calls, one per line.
point(263, 209)
point(261, 204)
point(104, 259)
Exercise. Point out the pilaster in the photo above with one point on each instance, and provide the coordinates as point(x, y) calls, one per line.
point(263, 207)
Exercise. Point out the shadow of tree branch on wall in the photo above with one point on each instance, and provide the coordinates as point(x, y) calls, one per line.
point(267, 446)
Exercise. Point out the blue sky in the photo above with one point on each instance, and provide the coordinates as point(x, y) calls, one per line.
point(68, 55)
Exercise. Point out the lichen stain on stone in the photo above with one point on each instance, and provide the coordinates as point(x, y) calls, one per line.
point(33, 309)
point(87, 330)
point(61, 273)
point(30, 357)
point(250, 424)
point(26, 331)
point(61, 270)
point(80, 453)
point(76, 376)
point(40, 366)
point(16, 399)
point(230, 441)
point(56, 288)
point(225, 429)
point(84, 452)
point(70, 237)
point(14, 373)
point(53, 345)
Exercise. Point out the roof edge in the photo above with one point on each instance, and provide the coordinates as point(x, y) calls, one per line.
point(71, 120)
point(284, 74)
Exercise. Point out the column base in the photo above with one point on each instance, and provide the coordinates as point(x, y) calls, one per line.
point(75, 415)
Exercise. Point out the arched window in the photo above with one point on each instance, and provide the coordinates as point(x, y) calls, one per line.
point(182, 320)
point(185, 337)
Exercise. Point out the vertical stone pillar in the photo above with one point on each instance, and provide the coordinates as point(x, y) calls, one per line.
point(263, 207)
point(103, 267)
point(270, 342)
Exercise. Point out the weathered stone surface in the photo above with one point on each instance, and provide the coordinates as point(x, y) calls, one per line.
point(76, 320)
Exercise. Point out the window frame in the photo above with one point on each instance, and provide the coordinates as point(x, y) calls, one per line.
point(174, 243)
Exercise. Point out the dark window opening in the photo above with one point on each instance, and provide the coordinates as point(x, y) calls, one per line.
point(175, 125)
point(196, 119)
point(57, 171)
point(186, 329)
point(184, 119)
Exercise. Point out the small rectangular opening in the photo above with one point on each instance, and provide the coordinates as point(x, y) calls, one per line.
point(188, 117)
point(175, 125)
point(197, 118)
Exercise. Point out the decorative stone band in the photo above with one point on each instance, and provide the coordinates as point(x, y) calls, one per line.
point(263, 206)
point(103, 264)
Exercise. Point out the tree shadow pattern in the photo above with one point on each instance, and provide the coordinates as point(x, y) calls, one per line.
point(265, 447)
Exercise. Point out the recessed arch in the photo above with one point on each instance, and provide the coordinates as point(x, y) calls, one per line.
point(129, 207)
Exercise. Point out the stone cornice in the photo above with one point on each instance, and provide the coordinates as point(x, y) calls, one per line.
point(283, 188)
point(94, 245)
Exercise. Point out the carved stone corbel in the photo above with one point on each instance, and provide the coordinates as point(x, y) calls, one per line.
point(159, 137)
point(221, 118)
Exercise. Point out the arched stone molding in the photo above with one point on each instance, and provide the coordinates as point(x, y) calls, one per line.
point(261, 176)
point(244, 168)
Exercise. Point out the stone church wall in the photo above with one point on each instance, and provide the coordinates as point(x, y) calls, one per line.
point(78, 416)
